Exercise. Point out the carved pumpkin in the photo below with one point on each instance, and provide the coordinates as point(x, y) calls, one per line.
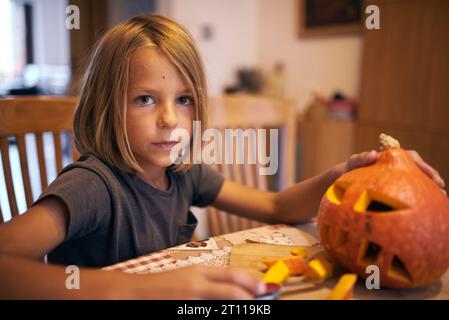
point(391, 215)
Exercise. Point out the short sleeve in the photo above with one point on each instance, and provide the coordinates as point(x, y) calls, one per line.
point(87, 198)
point(207, 183)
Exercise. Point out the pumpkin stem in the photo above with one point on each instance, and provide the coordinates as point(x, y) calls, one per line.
point(387, 142)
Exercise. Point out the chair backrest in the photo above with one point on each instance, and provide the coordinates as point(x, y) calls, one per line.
point(32, 115)
point(253, 111)
point(256, 112)
point(221, 222)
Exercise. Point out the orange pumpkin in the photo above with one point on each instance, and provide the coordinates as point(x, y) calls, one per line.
point(389, 214)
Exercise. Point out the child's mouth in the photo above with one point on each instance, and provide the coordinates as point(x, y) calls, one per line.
point(165, 145)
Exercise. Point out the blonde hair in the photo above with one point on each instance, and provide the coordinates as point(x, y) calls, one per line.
point(100, 117)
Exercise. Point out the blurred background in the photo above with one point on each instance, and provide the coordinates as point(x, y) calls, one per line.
point(245, 41)
point(344, 83)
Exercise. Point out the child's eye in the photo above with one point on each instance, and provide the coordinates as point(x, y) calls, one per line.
point(145, 100)
point(185, 100)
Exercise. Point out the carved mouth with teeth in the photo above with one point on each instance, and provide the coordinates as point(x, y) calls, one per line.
point(389, 214)
point(369, 251)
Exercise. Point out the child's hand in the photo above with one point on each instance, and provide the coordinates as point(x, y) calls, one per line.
point(200, 282)
point(356, 161)
point(431, 172)
point(367, 158)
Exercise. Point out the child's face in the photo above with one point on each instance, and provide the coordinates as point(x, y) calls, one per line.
point(158, 101)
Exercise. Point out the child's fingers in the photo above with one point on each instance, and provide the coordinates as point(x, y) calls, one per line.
point(431, 172)
point(362, 159)
point(371, 157)
point(415, 155)
point(250, 283)
point(367, 158)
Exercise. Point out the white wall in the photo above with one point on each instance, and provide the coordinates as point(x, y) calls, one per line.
point(51, 38)
point(262, 32)
point(51, 42)
point(120, 10)
point(325, 63)
point(234, 28)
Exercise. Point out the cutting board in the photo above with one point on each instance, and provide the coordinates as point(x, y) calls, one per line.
point(249, 256)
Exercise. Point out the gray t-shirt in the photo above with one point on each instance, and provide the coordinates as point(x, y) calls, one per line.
point(115, 216)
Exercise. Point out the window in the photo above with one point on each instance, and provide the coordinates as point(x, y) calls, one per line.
point(13, 35)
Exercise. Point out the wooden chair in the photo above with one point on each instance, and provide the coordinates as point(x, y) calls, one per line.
point(251, 111)
point(221, 222)
point(36, 115)
point(247, 111)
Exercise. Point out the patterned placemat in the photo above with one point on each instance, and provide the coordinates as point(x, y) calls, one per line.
point(217, 249)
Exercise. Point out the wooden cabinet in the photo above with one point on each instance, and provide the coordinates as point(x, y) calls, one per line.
point(405, 80)
point(323, 144)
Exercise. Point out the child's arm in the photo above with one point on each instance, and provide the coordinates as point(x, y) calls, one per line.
point(298, 203)
point(23, 274)
point(23, 278)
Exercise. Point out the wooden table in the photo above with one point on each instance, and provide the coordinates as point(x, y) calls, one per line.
point(216, 252)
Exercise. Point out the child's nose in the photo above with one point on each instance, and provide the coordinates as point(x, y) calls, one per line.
point(168, 117)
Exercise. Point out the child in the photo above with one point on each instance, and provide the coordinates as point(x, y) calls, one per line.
point(124, 197)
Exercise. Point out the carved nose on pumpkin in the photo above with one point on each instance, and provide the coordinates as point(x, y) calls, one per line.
point(375, 202)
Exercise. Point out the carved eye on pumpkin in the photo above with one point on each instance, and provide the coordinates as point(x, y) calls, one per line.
point(336, 192)
point(370, 201)
point(387, 214)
